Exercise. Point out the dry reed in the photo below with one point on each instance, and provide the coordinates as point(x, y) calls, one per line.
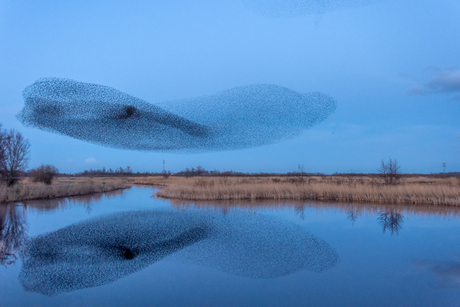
point(413, 190)
point(62, 187)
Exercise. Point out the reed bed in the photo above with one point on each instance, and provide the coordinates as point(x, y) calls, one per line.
point(62, 187)
point(410, 191)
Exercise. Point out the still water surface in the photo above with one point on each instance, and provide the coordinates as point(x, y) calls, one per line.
point(127, 248)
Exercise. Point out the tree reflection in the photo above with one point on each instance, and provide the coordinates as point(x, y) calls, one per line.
point(352, 215)
point(13, 233)
point(391, 221)
point(300, 210)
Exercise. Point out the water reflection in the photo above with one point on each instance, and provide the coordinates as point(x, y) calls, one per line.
point(300, 211)
point(13, 233)
point(13, 225)
point(61, 203)
point(390, 217)
point(352, 215)
point(102, 250)
point(448, 272)
point(352, 210)
point(391, 221)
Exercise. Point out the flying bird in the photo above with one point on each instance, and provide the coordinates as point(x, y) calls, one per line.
point(240, 117)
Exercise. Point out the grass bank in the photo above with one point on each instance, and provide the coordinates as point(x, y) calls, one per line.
point(411, 190)
point(62, 187)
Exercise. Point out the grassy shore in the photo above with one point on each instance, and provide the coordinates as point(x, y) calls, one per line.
point(61, 187)
point(411, 190)
point(354, 189)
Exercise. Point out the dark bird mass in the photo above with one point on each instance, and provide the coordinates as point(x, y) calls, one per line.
point(102, 250)
point(241, 117)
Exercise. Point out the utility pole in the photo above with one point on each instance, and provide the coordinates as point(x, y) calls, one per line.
point(444, 167)
point(300, 169)
point(164, 170)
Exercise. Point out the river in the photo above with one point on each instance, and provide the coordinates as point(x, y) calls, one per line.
point(129, 248)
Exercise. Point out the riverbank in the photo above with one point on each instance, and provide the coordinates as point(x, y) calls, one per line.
point(61, 187)
point(357, 189)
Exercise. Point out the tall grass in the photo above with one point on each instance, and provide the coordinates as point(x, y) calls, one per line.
point(413, 190)
point(63, 187)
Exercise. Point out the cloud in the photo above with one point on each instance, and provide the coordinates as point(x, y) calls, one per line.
point(448, 272)
point(295, 8)
point(91, 161)
point(443, 81)
point(417, 90)
point(446, 81)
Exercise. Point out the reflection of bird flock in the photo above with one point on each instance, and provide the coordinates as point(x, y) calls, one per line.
point(241, 117)
point(102, 250)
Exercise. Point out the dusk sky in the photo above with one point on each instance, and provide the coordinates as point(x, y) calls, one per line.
point(392, 66)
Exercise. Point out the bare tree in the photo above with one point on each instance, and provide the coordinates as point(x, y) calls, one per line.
point(390, 171)
point(14, 155)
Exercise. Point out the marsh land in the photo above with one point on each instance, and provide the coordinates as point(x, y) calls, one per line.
point(364, 189)
point(27, 190)
point(413, 190)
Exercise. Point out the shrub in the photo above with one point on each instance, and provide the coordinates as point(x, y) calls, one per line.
point(390, 171)
point(44, 173)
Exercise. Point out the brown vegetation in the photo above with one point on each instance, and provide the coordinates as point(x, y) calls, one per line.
point(410, 190)
point(61, 187)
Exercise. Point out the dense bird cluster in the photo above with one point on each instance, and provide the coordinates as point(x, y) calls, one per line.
point(102, 250)
point(241, 117)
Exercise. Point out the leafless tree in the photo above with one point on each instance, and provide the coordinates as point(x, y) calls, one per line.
point(14, 155)
point(390, 171)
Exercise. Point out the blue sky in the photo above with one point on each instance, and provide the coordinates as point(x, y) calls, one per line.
point(392, 66)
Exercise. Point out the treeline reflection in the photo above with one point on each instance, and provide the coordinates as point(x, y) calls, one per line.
point(389, 217)
point(13, 223)
point(13, 233)
point(61, 203)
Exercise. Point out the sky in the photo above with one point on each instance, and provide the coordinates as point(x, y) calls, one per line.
point(392, 66)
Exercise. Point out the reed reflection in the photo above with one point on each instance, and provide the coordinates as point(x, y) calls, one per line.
point(60, 203)
point(390, 217)
point(352, 210)
point(13, 233)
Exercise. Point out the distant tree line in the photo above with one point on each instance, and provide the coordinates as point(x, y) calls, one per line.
point(15, 151)
point(117, 172)
point(199, 171)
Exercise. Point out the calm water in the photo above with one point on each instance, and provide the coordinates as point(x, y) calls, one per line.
point(127, 248)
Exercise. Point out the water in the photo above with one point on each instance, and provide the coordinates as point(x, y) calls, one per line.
point(126, 247)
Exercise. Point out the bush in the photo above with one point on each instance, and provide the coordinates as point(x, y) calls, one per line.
point(44, 173)
point(390, 171)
